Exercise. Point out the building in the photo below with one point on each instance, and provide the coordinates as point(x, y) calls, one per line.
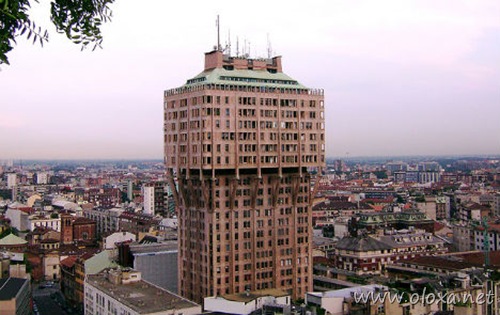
point(155, 197)
point(443, 207)
point(369, 254)
point(87, 264)
point(268, 301)
point(77, 230)
point(157, 261)
point(241, 140)
point(42, 178)
point(107, 220)
point(110, 241)
point(11, 180)
point(45, 221)
point(116, 291)
point(148, 193)
point(342, 302)
point(15, 296)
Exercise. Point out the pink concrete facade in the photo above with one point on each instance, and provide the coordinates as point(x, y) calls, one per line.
point(239, 157)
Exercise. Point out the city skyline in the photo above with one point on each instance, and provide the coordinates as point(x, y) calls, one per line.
point(400, 78)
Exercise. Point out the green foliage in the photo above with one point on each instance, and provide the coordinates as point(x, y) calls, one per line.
point(79, 20)
point(9, 230)
point(420, 198)
point(54, 215)
point(380, 174)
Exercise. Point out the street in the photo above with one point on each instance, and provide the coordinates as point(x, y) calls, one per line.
point(48, 301)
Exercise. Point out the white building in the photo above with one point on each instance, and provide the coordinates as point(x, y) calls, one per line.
point(149, 199)
point(107, 220)
point(18, 214)
point(46, 222)
point(247, 302)
point(115, 291)
point(11, 180)
point(335, 302)
point(42, 178)
point(109, 242)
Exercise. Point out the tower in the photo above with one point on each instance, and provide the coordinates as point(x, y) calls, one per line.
point(242, 140)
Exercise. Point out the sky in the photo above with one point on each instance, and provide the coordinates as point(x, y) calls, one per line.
point(400, 77)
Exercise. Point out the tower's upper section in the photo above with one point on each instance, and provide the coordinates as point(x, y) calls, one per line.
point(242, 113)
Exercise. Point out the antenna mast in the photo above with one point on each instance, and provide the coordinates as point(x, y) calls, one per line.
point(218, 34)
point(269, 49)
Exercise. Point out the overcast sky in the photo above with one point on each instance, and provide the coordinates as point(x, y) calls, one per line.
point(400, 77)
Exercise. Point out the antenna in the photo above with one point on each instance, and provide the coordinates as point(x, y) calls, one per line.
point(237, 46)
point(218, 33)
point(269, 48)
point(229, 42)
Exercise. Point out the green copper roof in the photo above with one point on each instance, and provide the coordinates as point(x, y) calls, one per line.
point(260, 78)
point(11, 239)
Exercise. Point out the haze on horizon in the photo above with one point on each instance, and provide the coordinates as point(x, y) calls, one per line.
point(400, 77)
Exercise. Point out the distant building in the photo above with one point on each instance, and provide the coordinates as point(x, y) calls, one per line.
point(367, 254)
point(77, 230)
point(116, 291)
point(155, 197)
point(397, 220)
point(42, 178)
point(11, 180)
point(107, 220)
point(138, 223)
point(443, 207)
point(148, 193)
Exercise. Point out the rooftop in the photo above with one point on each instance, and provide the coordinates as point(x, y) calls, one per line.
point(252, 295)
point(11, 240)
point(9, 287)
point(141, 296)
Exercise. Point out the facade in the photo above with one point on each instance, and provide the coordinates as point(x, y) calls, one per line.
point(11, 180)
point(155, 197)
point(148, 193)
point(85, 265)
point(77, 230)
point(240, 141)
point(443, 207)
point(116, 291)
point(106, 219)
point(157, 262)
point(45, 221)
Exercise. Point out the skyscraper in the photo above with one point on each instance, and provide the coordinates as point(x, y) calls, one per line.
point(242, 140)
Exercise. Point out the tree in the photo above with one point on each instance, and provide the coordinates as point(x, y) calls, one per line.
point(79, 20)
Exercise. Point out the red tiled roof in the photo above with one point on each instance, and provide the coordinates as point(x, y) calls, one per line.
point(69, 262)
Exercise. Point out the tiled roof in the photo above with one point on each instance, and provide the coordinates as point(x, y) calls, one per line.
point(361, 244)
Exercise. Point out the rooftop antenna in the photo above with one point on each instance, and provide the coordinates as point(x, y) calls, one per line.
point(229, 42)
point(269, 48)
point(237, 46)
point(218, 34)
